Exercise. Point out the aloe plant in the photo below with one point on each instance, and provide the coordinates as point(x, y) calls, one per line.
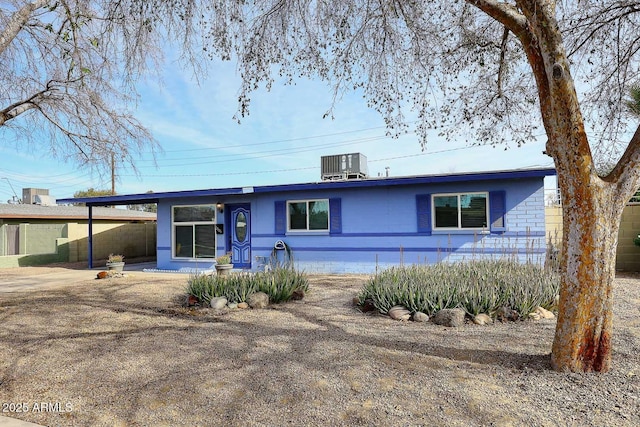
point(279, 283)
point(478, 286)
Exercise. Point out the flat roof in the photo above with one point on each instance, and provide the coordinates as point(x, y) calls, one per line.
point(25, 211)
point(127, 199)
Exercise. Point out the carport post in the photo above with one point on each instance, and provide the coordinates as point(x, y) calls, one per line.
point(90, 245)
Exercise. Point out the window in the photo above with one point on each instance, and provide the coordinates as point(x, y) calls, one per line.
point(308, 215)
point(194, 231)
point(460, 211)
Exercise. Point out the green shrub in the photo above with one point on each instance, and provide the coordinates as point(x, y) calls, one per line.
point(279, 283)
point(476, 286)
point(201, 287)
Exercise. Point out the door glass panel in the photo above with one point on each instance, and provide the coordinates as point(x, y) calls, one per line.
point(205, 241)
point(241, 227)
point(184, 241)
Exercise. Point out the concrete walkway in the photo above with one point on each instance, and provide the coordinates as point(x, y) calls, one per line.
point(40, 278)
point(53, 278)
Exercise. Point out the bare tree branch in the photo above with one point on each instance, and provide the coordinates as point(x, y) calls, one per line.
point(17, 21)
point(502, 65)
point(73, 66)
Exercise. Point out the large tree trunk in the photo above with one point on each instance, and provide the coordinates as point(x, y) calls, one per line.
point(591, 212)
point(591, 219)
point(592, 206)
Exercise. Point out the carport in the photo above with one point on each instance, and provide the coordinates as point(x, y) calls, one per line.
point(138, 199)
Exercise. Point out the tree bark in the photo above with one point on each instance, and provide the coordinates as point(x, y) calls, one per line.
point(592, 206)
point(592, 211)
point(17, 21)
point(591, 217)
point(14, 111)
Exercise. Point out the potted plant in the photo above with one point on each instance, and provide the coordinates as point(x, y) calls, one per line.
point(115, 262)
point(223, 264)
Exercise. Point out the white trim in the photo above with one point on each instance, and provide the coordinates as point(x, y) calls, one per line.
point(459, 227)
point(213, 222)
point(307, 230)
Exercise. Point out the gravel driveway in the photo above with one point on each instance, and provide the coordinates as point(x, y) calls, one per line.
point(124, 352)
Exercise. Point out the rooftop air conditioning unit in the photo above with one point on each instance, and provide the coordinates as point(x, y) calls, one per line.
point(44, 200)
point(344, 166)
point(29, 194)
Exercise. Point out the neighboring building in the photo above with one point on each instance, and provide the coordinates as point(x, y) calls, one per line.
point(33, 234)
point(35, 213)
point(352, 225)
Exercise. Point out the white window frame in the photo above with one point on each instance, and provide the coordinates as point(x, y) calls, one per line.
point(193, 224)
point(458, 195)
point(307, 230)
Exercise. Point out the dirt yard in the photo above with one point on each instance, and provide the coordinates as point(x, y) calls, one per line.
point(124, 352)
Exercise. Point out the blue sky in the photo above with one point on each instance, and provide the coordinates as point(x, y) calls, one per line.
point(280, 142)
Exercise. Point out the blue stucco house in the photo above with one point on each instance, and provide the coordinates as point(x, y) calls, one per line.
point(351, 225)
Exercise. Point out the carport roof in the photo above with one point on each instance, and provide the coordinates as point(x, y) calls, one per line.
point(25, 211)
point(129, 199)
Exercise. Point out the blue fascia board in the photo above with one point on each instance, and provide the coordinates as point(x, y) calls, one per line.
point(127, 199)
point(411, 180)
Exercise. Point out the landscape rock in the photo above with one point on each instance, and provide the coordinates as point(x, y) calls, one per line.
point(505, 314)
point(419, 316)
point(218, 303)
point(243, 305)
point(232, 305)
point(398, 312)
point(544, 313)
point(297, 294)
point(482, 319)
point(450, 317)
point(110, 274)
point(258, 300)
point(192, 300)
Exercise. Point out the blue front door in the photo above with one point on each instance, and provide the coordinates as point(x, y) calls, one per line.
point(240, 225)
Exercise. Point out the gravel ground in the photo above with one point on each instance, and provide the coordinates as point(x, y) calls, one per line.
point(124, 352)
